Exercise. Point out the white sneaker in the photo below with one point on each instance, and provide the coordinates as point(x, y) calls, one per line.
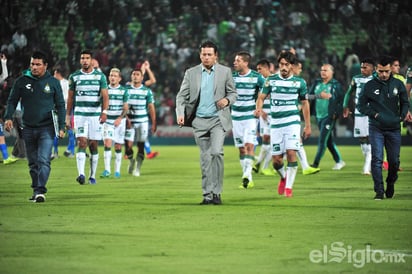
point(339, 166)
point(136, 173)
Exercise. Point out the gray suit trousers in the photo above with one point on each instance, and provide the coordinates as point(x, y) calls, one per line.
point(210, 136)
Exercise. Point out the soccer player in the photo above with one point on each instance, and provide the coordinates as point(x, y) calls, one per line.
point(115, 126)
point(285, 90)
point(265, 156)
point(141, 106)
point(248, 83)
point(89, 96)
point(301, 153)
point(361, 127)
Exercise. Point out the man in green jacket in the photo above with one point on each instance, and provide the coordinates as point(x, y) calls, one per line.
point(41, 96)
point(385, 101)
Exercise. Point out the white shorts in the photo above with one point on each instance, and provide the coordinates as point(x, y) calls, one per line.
point(117, 134)
point(89, 127)
point(139, 132)
point(264, 126)
point(361, 127)
point(285, 138)
point(244, 132)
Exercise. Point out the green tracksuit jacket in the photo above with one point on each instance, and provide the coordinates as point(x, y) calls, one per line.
point(38, 96)
point(388, 99)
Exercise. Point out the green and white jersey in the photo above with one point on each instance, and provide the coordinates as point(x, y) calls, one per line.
point(139, 99)
point(86, 87)
point(285, 95)
point(247, 87)
point(357, 83)
point(117, 97)
point(409, 75)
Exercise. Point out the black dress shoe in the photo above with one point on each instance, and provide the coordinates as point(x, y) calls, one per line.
point(206, 202)
point(216, 199)
point(390, 190)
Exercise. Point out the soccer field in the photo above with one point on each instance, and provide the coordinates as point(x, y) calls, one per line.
point(153, 223)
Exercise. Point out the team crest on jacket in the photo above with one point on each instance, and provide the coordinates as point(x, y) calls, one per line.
point(46, 88)
point(395, 91)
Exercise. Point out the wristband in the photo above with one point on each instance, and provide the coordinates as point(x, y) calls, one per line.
point(104, 111)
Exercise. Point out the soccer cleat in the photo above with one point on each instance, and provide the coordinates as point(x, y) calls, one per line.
point(339, 165)
point(152, 155)
point(81, 179)
point(256, 167)
point(246, 183)
point(117, 175)
point(267, 172)
point(385, 165)
point(68, 154)
point(390, 191)
point(92, 181)
point(105, 174)
point(131, 165)
point(288, 192)
point(136, 172)
point(281, 186)
point(39, 198)
point(10, 160)
point(310, 170)
point(367, 173)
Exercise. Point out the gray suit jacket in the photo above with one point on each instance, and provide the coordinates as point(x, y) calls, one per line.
point(189, 92)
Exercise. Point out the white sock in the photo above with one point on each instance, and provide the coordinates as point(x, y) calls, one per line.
point(268, 159)
point(118, 161)
point(367, 152)
point(248, 169)
point(242, 165)
point(262, 154)
point(81, 162)
point(302, 157)
point(94, 159)
point(291, 175)
point(107, 159)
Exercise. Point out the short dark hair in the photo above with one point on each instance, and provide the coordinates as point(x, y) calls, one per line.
point(208, 44)
point(368, 60)
point(87, 51)
point(385, 60)
point(288, 56)
point(263, 62)
point(39, 55)
point(245, 56)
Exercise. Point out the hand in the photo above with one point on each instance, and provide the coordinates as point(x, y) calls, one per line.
point(325, 95)
point(346, 112)
point(222, 103)
point(8, 125)
point(408, 117)
point(181, 121)
point(61, 133)
point(307, 131)
point(103, 118)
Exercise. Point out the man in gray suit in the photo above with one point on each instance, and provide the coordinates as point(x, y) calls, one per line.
point(203, 102)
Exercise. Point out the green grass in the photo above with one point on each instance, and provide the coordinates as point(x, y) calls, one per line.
point(153, 223)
